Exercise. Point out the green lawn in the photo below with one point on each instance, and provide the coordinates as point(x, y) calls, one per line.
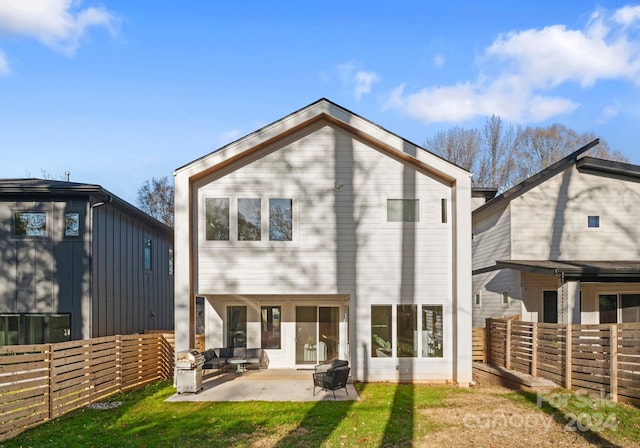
point(386, 416)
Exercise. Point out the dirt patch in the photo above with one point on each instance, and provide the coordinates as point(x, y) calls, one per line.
point(487, 418)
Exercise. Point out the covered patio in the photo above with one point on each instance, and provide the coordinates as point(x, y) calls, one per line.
point(263, 385)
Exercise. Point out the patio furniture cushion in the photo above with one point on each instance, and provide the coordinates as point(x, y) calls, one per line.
point(209, 354)
point(224, 352)
point(239, 352)
point(332, 379)
point(330, 365)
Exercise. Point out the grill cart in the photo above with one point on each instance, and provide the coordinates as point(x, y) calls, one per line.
point(189, 371)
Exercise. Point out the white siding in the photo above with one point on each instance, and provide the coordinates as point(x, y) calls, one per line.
point(339, 170)
point(491, 238)
point(490, 286)
point(343, 243)
point(550, 221)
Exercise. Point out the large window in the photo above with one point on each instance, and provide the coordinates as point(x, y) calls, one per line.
point(236, 326)
point(619, 308)
point(381, 331)
point(407, 318)
point(403, 210)
point(280, 219)
point(608, 308)
point(241, 219)
point(34, 328)
point(432, 331)
point(217, 219)
point(270, 327)
point(407, 331)
point(30, 224)
point(249, 219)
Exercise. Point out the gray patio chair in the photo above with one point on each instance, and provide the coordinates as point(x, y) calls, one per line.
point(331, 379)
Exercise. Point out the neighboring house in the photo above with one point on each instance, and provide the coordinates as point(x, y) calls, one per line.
point(324, 236)
point(78, 262)
point(563, 246)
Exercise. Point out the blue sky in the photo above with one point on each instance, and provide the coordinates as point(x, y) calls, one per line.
point(119, 91)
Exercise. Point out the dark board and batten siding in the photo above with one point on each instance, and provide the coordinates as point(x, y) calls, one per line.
point(126, 297)
point(45, 274)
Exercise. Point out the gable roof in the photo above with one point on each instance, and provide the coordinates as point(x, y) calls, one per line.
point(535, 180)
point(322, 109)
point(31, 187)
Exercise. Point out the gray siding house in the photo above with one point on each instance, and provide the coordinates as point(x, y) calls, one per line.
point(561, 247)
point(324, 236)
point(78, 262)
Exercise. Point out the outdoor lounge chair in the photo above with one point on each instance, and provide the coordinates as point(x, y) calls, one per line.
point(331, 376)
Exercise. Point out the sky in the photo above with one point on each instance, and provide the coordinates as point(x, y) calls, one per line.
point(118, 91)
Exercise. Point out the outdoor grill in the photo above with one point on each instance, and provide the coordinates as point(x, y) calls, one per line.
point(189, 371)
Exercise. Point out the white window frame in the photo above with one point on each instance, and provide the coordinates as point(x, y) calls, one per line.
point(264, 218)
point(504, 294)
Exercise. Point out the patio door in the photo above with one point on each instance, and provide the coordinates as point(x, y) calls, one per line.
point(317, 334)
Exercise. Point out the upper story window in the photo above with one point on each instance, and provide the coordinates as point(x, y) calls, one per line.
point(242, 219)
point(72, 224)
point(249, 219)
point(280, 219)
point(217, 219)
point(403, 210)
point(147, 254)
point(593, 221)
point(30, 224)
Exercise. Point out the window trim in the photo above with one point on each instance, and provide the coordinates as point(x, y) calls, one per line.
point(16, 212)
point(233, 240)
point(477, 299)
point(418, 215)
point(64, 224)
point(419, 330)
point(145, 239)
point(503, 295)
point(598, 222)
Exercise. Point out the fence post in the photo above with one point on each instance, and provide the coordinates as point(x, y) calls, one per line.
point(488, 340)
point(567, 356)
point(485, 349)
point(49, 359)
point(507, 347)
point(119, 362)
point(613, 362)
point(534, 349)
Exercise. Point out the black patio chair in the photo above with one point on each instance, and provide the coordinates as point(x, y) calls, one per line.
point(332, 379)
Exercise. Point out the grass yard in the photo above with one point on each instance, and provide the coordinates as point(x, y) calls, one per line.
point(387, 416)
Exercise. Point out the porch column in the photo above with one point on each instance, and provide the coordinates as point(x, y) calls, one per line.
point(569, 302)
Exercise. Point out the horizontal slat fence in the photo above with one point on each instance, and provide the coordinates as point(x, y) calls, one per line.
point(41, 382)
point(596, 358)
point(478, 344)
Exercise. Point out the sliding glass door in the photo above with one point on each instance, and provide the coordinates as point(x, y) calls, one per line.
point(317, 334)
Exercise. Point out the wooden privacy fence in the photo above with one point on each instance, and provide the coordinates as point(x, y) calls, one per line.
point(478, 344)
point(41, 382)
point(601, 358)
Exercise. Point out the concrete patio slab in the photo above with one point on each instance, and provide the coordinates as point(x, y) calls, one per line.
point(263, 385)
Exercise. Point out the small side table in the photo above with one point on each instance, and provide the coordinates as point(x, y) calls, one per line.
point(240, 363)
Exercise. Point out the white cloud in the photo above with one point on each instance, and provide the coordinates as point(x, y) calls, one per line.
point(363, 82)
point(438, 61)
point(520, 69)
point(359, 80)
point(627, 15)
point(58, 24)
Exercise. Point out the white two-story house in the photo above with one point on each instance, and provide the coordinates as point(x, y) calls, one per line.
point(324, 236)
point(561, 247)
